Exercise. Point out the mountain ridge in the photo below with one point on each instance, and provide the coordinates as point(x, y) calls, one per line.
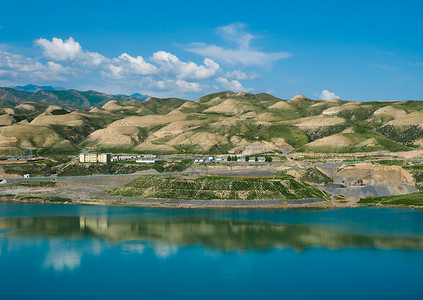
point(69, 98)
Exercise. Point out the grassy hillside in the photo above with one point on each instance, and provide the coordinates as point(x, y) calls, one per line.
point(282, 187)
point(401, 200)
point(241, 123)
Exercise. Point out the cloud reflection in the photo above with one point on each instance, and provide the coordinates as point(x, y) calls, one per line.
point(61, 259)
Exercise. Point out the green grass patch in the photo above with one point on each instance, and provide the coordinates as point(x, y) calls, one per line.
point(315, 175)
point(390, 162)
point(7, 195)
point(33, 169)
point(35, 184)
point(57, 199)
point(404, 200)
point(80, 169)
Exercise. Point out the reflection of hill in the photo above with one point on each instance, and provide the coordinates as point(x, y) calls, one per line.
point(209, 232)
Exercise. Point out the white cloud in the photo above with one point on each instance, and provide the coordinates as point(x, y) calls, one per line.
point(22, 68)
point(167, 67)
point(241, 52)
point(326, 95)
point(58, 49)
point(164, 251)
point(235, 33)
point(240, 75)
point(170, 64)
point(416, 64)
point(233, 85)
point(180, 86)
point(163, 72)
point(126, 65)
point(61, 259)
point(69, 50)
point(134, 248)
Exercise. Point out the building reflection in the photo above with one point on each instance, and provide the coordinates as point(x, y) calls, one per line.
point(209, 232)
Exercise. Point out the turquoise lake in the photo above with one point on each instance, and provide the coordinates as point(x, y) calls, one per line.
point(86, 252)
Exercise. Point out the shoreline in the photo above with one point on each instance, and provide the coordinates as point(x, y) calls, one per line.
point(187, 204)
point(95, 191)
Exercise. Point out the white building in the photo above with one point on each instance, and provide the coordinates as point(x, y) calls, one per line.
point(146, 161)
point(95, 157)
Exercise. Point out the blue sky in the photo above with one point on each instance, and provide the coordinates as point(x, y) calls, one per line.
point(356, 50)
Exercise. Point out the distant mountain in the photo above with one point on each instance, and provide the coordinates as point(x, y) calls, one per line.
point(139, 96)
point(71, 99)
point(31, 88)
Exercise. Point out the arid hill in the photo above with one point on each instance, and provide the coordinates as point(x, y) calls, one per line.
point(225, 122)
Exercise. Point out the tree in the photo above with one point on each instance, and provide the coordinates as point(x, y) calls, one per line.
point(247, 158)
point(229, 158)
point(256, 158)
point(268, 158)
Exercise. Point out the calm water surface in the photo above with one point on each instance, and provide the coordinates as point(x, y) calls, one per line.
point(82, 252)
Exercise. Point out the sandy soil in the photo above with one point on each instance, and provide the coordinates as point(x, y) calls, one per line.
point(415, 118)
point(230, 106)
point(317, 121)
point(282, 105)
point(6, 120)
point(390, 111)
point(72, 119)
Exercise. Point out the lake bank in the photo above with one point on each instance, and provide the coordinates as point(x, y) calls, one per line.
point(101, 191)
point(199, 204)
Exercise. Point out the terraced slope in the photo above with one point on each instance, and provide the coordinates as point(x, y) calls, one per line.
point(218, 188)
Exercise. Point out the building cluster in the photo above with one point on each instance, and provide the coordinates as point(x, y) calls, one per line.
point(136, 158)
point(86, 157)
point(108, 157)
point(209, 159)
point(212, 159)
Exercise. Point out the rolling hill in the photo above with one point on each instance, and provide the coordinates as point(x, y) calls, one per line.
point(226, 122)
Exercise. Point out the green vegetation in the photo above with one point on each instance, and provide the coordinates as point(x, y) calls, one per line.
point(416, 171)
point(59, 112)
point(40, 168)
point(390, 162)
point(315, 175)
point(32, 198)
point(401, 200)
point(404, 135)
point(57, 199)
point(282, 187)
point(7, 195)
point(48, 199)
point(75, 134)
point(324, 131)
point(35, 184)
point(80, 169)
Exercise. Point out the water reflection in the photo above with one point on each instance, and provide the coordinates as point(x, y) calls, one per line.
point(170, 233)
point(60, 258)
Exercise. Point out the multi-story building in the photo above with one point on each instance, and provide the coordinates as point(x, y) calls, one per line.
point(95, 157)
